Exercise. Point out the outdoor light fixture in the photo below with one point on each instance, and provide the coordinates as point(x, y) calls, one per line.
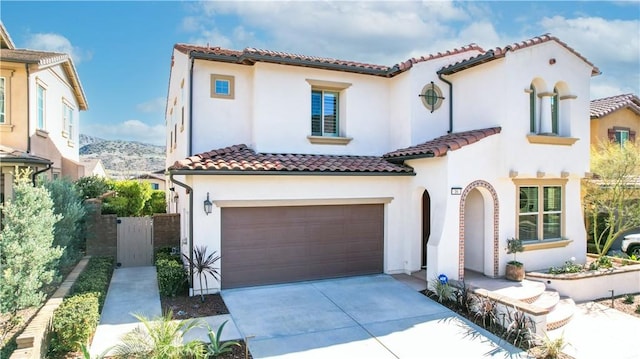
point(208, 206)
point(456, 191)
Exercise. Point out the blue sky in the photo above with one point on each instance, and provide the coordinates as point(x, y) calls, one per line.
point(122, 49)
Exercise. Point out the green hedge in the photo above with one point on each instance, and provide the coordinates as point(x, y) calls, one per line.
point(95, 278)
point(172, 277)
point(165, 253)
point(77, 317)
point(74, 322)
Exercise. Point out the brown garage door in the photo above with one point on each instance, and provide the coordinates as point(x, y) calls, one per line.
point(266, 245)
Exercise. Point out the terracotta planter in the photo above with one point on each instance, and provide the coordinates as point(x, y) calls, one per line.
point(515, 272)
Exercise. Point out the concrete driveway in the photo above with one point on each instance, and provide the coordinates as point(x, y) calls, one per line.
point(357, 317)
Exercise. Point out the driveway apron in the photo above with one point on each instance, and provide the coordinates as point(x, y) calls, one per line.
point(357, 317)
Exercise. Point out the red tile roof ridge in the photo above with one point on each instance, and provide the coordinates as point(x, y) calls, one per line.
point(242, 158)
point(439, 146)
point(499, 52)
point(604, 106)
point(405, 65)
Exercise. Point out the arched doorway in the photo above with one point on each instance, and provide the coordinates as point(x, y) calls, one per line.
point(426, 225)
point(480, 212)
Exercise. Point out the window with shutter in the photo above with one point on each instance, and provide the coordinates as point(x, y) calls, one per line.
point(324, 113)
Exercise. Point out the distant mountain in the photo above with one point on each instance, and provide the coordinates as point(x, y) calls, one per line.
point(123, 159)
point(86, 140)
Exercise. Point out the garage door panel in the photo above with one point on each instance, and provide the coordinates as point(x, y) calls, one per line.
point(265, 245)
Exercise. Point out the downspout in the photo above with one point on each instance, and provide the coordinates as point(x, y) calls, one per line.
point(26, 66)
point(450, 102)
point(191, 106)
point(36, 173)
point(190, 193)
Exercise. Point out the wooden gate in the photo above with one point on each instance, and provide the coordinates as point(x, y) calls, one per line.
point(135, 241)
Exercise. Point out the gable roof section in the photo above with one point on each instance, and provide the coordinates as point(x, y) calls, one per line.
point(250, 56)
point(498, 52)
point(44, 59)
point(440, 146)
point(5, 39)
point(12, 156)
point(240, 159)
point(605, 106)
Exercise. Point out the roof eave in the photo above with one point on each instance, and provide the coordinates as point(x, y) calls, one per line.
point(183, 172)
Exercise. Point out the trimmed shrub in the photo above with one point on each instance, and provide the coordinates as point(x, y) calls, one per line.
point(28, 257)
point(95, 278)
point(74, 322)
point(172, 277)
point(93, 186)
point(130, 199)
point(68, 230)
point(165, 253)
point(157, 203)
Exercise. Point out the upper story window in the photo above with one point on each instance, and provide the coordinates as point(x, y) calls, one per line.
point(3, 107)
point(67, 120)
point(540, 212)
point(621, 135)
point(222, 86)
point(431, 96)
point(155, 186)
point(41, 94)
point(549, 114)
point(328, 112)
point(325, 113)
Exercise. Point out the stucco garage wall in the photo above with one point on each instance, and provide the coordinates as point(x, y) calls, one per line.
point(270, 190)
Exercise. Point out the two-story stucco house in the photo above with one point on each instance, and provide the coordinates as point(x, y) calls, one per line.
point(318, 168)
point(615, 118)
point(40, 101)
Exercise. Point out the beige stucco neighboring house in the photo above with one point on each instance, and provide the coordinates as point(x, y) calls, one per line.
point(40, 101)
point(93, 167)
point(296, 167)
point(156, 179)
point(615, 118)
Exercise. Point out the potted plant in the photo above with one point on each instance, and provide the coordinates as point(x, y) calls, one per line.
point(515, 269)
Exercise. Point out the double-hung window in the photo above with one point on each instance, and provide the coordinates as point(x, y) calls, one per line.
point(540, 212)
point(41, 94)
point(325, 113)
point(67, 119)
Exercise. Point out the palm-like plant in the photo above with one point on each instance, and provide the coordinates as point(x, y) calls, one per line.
point(215, 347)
point(159, 339)
point(204, 265)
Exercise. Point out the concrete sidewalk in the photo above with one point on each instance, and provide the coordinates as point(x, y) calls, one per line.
point(134, 290)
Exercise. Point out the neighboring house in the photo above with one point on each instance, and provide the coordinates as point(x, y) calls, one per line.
point(93, 167)
point(615, 118)
point(318, 168)
point(40, 101)
point(156, 179)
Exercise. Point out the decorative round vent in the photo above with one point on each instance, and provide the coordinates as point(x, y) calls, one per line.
point(431, 96)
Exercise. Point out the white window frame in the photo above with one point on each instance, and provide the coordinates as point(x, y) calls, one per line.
point(41, 112)
point(540, 213)
point(3, 100)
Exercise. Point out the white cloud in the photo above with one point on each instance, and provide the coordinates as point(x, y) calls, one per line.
point(154, 105)
point(56, 43)
point(130, 130)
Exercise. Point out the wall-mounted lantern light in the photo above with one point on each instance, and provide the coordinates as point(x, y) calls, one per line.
point(456, 191)
point(208, 206)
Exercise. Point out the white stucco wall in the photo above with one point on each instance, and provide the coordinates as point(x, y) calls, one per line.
point(57, 91)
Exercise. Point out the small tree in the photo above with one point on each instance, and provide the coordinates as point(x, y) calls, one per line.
point(514, 245)
point(92, 186)
point(131, 197)
point(157, 203)
point(612, 196)
point(68, 230)
point(27, 257)
point(204, 265)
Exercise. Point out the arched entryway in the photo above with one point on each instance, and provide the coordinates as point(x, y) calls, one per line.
point(426, 225)
point(479, 230)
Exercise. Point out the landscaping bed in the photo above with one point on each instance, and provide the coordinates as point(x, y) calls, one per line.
point(185, 307)
point(623, 304)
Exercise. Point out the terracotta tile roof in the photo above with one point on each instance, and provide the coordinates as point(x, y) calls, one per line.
point(501, 52)
point(406, 65)
point(12, 157)
point(240, 158)
point(604, 106)
point(32, 56)
point(249, 56)
point(441, 145)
